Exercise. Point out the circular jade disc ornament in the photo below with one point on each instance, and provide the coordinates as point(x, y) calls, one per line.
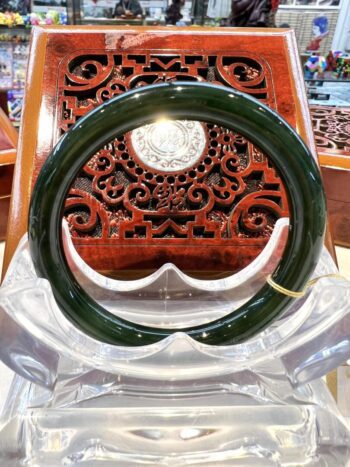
point(192, 102)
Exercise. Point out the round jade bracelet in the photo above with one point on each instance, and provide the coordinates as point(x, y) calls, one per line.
point(191, 101)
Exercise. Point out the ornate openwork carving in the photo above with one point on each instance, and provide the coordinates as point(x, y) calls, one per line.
point(331, 128)
point(221, 190)
point(230, 192)
point(87, 80)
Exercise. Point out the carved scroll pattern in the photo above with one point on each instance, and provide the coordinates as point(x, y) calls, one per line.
point(331, 127)
point(232, 192)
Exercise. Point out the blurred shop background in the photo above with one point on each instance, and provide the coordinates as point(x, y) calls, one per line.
point(322, 29)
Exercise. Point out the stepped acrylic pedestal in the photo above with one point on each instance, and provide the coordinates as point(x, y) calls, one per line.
point(76, 401)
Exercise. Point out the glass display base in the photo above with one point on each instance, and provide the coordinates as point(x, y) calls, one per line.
point(195, 435)
point(76, 401)
point(291, 435)
point(245, 419)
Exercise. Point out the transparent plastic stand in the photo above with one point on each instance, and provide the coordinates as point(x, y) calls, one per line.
point(77, 401)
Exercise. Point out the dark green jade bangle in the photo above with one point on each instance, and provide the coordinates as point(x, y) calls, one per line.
point(206, 103)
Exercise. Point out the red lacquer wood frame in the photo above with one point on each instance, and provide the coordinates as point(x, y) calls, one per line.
point(56, 68)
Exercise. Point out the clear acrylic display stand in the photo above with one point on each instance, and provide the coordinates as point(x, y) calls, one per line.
point(77, 401)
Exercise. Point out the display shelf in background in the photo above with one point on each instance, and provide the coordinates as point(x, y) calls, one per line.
point(14, 51)
point(301, 22)
point(339, 93)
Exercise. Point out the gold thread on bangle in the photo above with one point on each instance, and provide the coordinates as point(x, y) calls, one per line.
point(294, 294)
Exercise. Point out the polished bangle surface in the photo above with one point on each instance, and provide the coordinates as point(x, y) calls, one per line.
point(191, 101)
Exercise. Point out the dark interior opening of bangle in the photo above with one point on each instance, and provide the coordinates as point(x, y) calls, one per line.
point(214, 237)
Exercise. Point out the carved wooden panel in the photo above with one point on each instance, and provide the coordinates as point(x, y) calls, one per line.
point(331, 128)
point(223, 190)
point(211, 209)
point(332, 135)
point(231, 192)
point(87, 80)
